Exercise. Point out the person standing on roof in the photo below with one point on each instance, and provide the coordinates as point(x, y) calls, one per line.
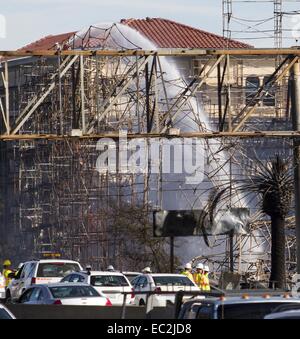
point(205, 286)
point(7, 271)
point(188, 271)
point(198, 275)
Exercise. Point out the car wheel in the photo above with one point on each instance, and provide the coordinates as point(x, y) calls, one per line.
point(8, 299)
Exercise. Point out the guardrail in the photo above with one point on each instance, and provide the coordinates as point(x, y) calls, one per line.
point(87, 312)
point(149, 311)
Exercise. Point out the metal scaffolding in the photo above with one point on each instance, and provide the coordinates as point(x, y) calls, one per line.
point(55, 107)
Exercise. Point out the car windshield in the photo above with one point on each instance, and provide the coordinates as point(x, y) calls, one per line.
point(247, 311)
point(174, 281)
point(4, 315)
point(62, 292)
point(56, 270)
point(108, 280)
point(130, 277)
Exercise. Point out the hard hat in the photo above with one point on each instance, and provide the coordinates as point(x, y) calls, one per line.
point(200, 266)
point(206, 268)
point(88, 267)
point(147, 270)
point(7, 263)
point(110, 268)
point(188, 265)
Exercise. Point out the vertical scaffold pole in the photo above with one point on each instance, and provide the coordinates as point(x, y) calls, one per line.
point(295, 79)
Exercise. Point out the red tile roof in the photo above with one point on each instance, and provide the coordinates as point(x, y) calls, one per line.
point(170, 34)
point(162, 32)
point(48, 42)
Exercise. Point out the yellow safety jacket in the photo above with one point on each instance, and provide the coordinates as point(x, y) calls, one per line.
point(188, 274)
point(198, 278)
point(5, 273)
point(205, 286)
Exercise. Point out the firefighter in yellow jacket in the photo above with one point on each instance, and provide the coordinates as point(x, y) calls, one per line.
point(188, 271)
point(205, 286)
point(7, 271)
point(198, 275)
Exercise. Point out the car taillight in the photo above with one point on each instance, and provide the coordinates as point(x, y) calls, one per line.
point(57, 302)
point(132, 293)
point(158, 289)
point(108, 302)
point(33, 281)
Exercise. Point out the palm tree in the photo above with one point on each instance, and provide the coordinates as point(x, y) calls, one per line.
point(273, 181)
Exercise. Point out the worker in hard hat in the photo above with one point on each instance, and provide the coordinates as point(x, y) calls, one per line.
point(110, 268)
point(7, 271)
point(198, 275)
point(147, 270)
point(205, 286)
point(88, 269)
point(188, 271)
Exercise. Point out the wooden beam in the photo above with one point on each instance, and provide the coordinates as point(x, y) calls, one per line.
point(115, 135)
point(159, 52)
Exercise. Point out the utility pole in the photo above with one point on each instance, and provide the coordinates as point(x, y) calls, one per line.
point(278, 16)
point(172, 254)
point(231, 251)
point(295, 86)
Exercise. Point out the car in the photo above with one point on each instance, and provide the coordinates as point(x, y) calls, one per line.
point(161, 283)
point(131, 275)
point(5, 313)
point(39, 272)
point(113, 284)
point(240, 307)
point(2, 287)
point(295, 314)
point(64, 294)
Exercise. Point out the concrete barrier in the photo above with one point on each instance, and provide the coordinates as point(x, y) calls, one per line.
point(87, 312)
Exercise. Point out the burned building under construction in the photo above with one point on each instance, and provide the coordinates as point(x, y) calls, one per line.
point(154, 78)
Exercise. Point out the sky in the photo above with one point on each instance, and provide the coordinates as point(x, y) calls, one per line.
point(28, 20)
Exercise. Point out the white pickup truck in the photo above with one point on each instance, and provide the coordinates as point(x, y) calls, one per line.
point(2, 287)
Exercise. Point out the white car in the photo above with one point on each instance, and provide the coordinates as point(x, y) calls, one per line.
point(161, 283)
point(5, 313)
point(64, 294)
point(112, 284)
point(2, 287)
point(39, 272)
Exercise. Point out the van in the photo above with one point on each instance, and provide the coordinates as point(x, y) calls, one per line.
point(39, 272)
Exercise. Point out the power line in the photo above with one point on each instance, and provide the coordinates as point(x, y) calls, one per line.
point(248, 27)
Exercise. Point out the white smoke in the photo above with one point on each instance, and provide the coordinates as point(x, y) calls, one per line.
point(176, 194)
